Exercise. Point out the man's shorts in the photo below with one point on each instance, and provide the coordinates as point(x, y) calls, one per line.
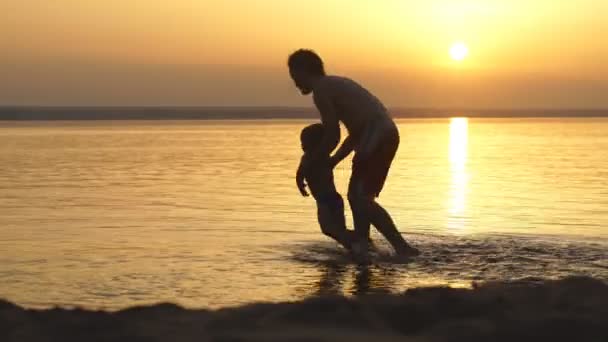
point(373, 157)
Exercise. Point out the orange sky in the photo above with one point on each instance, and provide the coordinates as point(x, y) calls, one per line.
point(535, 53)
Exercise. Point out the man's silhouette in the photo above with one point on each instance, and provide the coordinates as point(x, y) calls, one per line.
point(372, 135)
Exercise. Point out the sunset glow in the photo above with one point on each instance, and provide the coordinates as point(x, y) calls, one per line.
point(459, 51)
point(186, 52)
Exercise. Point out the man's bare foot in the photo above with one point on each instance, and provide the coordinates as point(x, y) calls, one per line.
point(371, 246)
point(360, 252)
point(408, 251)
point(352, 238)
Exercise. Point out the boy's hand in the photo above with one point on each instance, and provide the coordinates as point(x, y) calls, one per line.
point(301, 186)
point(300, 176)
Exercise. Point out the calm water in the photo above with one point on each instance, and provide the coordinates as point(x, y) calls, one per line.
point(111, 214)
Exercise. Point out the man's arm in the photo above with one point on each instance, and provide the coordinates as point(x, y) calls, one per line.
point(345, 149)
point(331, 126)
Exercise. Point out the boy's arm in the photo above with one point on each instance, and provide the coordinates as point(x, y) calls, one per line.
point(300, 178)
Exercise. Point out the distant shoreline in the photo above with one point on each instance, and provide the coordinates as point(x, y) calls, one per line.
point(17, 113)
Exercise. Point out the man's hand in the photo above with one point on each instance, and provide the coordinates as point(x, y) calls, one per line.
point(334, 161)
point(345, 149)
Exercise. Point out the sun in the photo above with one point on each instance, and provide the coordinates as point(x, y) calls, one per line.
point(459, 51)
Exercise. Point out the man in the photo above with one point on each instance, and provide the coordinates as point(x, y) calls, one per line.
point(372, 135)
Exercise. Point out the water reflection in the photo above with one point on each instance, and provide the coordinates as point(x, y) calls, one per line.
point(458, 164)
point(338, 279)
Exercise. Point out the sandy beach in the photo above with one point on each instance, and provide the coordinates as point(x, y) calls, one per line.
point(571, 309)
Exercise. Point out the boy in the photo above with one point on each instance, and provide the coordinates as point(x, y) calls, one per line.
point(372, 135)
point(320, 180)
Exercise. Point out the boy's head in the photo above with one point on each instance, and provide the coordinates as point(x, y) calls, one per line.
point(312, 135)
point(305, 66)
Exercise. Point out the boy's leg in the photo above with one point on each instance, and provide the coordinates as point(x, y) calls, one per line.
point(333, 223)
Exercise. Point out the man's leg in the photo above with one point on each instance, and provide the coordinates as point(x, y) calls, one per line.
point(367, 183)
point(381, 219)
point(367, 211)
point(360, 206)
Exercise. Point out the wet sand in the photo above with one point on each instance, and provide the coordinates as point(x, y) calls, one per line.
point(571, 309)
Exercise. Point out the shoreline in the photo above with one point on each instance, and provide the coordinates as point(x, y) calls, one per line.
point(86, 113)
point(570, 309)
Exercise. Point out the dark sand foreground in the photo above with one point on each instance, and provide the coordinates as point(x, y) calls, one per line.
point(573, 309)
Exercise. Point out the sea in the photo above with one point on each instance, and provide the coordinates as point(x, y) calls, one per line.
point(107, 214)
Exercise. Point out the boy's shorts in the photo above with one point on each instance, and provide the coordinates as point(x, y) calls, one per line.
point(379, 144)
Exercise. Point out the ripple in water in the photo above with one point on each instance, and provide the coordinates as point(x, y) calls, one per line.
point(454, 261)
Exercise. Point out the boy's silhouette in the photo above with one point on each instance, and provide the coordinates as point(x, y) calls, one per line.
point(320, 180)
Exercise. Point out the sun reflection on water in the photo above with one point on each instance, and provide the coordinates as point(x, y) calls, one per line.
point(458, 164)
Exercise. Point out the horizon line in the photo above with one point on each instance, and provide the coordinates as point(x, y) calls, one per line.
point(402, 107)
point(55, 113)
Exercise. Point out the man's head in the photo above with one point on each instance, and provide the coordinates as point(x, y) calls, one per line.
point(311, 136)
point(305, 67)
